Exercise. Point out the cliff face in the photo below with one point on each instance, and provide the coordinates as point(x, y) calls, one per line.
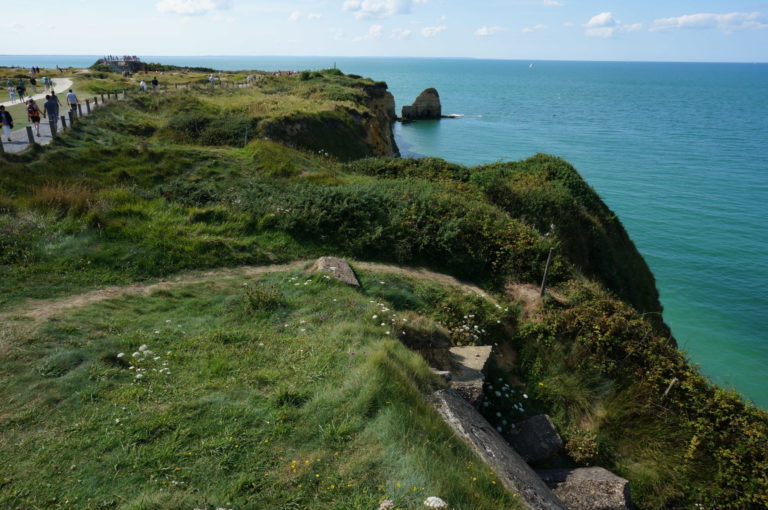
point(549, 194)
point(378, 126)
point(346, 132)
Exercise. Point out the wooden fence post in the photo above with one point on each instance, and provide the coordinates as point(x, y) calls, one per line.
point(88, 106)
point(95, 101)
point(52, 126)
point(102, 99)
point(79, 110)
point(63, 122)
point(30, 135)
point(71, 117)
point(2, 147)
point(546, 272)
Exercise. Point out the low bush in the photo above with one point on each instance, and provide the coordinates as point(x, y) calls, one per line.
point(61, 198)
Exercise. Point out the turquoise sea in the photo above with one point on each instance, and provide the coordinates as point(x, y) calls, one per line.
point(678, 150)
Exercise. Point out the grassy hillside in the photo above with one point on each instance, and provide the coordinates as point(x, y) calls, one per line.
point(276, 392)
point(166, 183)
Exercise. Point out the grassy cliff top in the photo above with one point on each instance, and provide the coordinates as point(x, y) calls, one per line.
point(204, 179)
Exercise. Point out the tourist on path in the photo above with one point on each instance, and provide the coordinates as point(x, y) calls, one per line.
point(21, 90)
point(12, 93)
point(7, 122)
point(33, 113)
point(51, 111)
point(155, 83)
point(143, 86)
point(72, 100)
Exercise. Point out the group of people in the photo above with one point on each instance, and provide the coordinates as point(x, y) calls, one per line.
point(50, 111)
point(125, 58)
point(155, 84)
point(17, 89)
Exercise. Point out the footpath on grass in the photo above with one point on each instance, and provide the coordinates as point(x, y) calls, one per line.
point(59, 85)
point(34, 312)
point(23, 137)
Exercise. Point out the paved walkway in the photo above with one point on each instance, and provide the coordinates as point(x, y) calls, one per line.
point(20, 138)
point(60, 85)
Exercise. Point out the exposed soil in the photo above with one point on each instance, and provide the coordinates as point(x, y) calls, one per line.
point(34, 312)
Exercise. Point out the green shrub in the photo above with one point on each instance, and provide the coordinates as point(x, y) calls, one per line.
point(259, 297)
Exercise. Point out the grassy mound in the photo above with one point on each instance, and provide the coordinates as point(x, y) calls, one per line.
point(282, 392)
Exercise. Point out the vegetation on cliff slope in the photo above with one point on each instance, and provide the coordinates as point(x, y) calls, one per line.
point(162, 184)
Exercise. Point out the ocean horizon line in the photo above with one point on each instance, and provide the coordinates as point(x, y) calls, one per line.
point(383, 57)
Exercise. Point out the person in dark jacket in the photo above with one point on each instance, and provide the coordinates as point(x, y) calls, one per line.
point(7, 121)
point(51, 110)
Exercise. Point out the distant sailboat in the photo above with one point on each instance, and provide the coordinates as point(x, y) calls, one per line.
point(530, 66)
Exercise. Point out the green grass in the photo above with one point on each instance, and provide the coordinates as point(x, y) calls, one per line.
point(162, 184)
point(302, 403)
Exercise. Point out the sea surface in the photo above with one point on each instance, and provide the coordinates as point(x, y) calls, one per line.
point(678, 150)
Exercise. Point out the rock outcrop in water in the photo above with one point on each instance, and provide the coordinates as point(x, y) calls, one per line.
point(426, 106)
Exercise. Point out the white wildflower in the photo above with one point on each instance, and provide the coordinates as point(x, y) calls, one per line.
point(435, 502)
point(144, 347)
point(136, 354)
point(120, 355)
point(139, 376)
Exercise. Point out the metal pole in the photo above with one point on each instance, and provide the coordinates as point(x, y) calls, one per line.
point(30, 135)
point(546, 272)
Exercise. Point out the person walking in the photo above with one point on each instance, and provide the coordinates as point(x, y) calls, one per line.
point(33, 113)
point(51, 111)
point(55, 98)
point(72, 100)
point(143, 86)
point(155, 83)
point(21, 90)
point(6, 121)
point(12, 93)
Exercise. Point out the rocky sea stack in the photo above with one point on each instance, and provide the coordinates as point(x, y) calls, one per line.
point(426, 106)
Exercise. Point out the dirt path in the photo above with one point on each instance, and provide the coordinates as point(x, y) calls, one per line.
point(35, 312)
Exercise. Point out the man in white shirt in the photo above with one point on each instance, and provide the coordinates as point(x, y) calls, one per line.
point(72, 100)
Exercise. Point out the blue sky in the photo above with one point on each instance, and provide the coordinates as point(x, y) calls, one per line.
point(686, 30)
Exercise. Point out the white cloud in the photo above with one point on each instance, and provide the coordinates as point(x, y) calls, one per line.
point(725, 22)
point(536, 28)
point(295, 16)
point(605, 25)
point(553, 3)
point(192, 7)
point(486, 31)
point(378, 9)
point(338, 33)
point(432, 31)
point(400, 33)
point(569, 24)
point(374, 32)
point(314, 15)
